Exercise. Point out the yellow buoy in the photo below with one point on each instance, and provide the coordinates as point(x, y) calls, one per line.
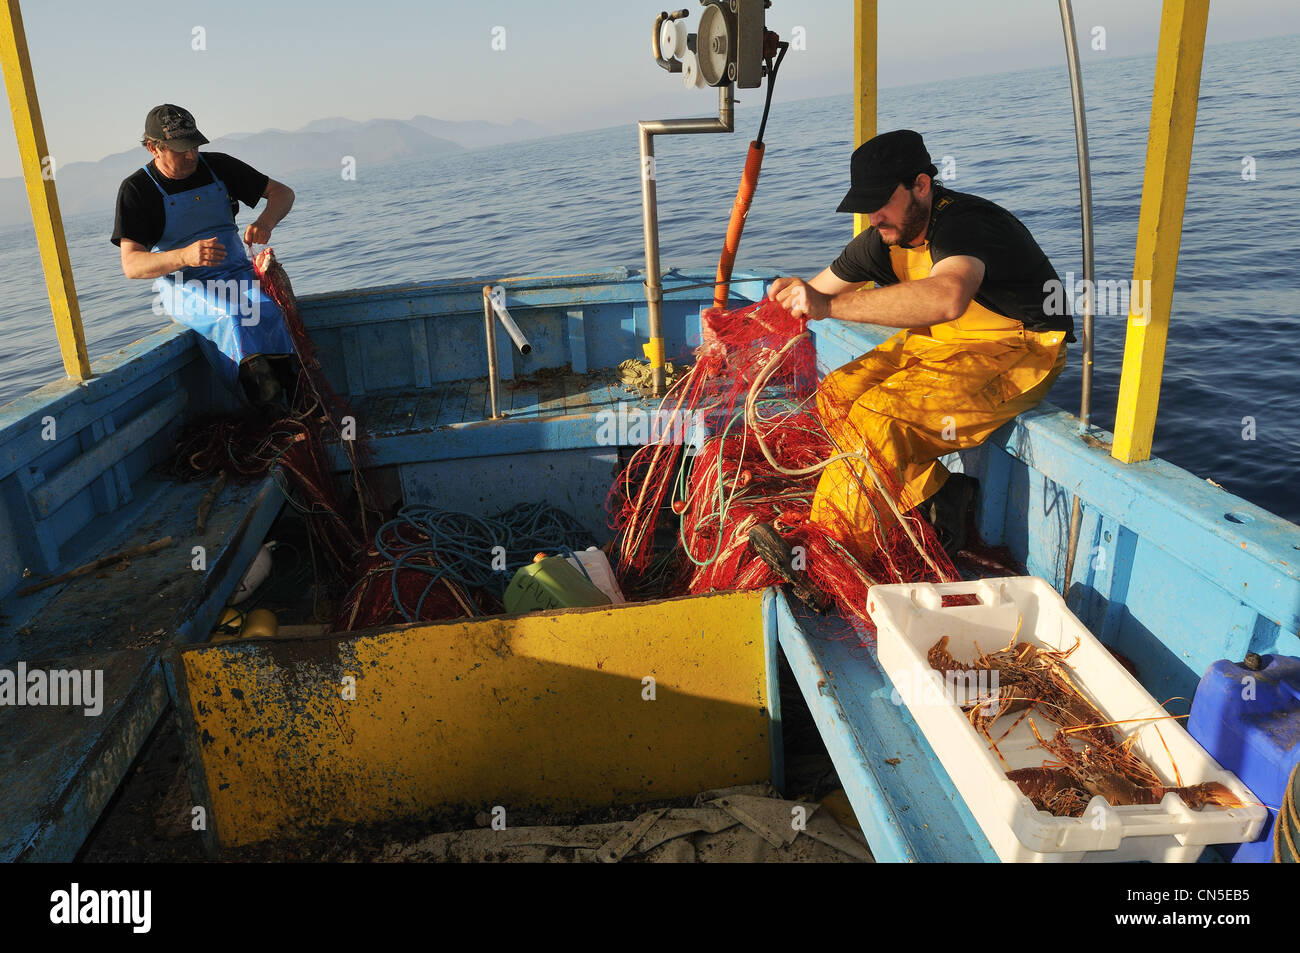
point(260, 624)
point(228, 627)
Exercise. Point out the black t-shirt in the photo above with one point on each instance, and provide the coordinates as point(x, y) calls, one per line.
point(1015, 268)
point(140, 214)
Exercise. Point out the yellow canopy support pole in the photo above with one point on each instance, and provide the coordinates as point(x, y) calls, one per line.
point(1160, 223)
point(38, 172)
point(865, 41)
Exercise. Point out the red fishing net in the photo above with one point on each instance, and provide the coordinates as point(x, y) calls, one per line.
point(753, 390)
point(293, 448)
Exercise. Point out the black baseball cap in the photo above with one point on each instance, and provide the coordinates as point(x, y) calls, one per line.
point(174, 127)
point(880, 165)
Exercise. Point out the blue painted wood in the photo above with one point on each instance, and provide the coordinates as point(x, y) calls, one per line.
point(58, 767)
point(523, 399)
point(772, 653)
point(577, 340)
point(427, 407)
point(909, 811)
point(577, 481)
point(61, 487)
point(420, 357)
point(103, 489)
point(37, 540)
point(352, 358)
point(452, 409)
point(121, 474)
point(73, 409)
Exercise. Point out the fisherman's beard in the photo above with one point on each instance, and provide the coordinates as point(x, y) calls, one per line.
point(915, 219)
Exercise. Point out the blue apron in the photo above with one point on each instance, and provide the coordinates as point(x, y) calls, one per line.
point(235, 318)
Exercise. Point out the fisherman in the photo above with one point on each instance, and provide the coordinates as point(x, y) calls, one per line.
point(176, 223)
point(968, 284)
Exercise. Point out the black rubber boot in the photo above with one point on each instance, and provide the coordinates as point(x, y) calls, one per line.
point(263, 387)
point(948, 511)
point(774, 551)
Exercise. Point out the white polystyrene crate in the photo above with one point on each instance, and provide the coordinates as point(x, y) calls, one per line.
point(910, 618)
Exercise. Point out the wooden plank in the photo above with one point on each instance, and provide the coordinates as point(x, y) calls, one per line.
point(403, 412)
point(456, 712)
point(425, 413)
point(577, 394)
point(523, 400)
point(577, 328)
point(550, 393)
point(377, 413)
point(476, 402)
point(39, 174)
point(909, 811)
point(420, 353)
point(78, 474)
point(352, 361)
point(865, 45)
point(60, 767)
point(452, 409)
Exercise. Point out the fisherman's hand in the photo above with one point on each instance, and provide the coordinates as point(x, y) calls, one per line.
point(800, 298)
point(257, 233)
point(203, 253)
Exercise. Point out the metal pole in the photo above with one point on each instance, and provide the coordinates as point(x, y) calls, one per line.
point(1085, 207)
point(1085, 212)
point(490, 330)
point(654, 289)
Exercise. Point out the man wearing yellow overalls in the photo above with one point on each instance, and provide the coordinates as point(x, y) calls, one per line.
point(968, 284)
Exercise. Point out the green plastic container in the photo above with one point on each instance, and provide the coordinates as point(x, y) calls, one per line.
point(551, 583)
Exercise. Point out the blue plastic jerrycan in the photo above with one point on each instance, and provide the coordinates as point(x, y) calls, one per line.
point(1247, 716)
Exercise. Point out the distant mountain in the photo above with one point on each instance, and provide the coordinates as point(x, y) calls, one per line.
point(476, 134)
point(321, 144)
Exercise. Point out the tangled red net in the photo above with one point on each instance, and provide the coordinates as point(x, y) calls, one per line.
point(293, 448)
point(753, 388)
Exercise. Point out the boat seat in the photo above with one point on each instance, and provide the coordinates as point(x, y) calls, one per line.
point(906, 802)
point(59, 767)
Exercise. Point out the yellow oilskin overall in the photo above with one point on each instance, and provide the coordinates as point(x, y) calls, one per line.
point(921, 394)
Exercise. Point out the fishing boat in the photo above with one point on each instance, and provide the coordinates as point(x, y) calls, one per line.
point(470, 398)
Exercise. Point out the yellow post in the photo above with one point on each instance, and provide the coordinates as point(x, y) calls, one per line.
point(864, 80)
point(1160, 223)
point(38, 171)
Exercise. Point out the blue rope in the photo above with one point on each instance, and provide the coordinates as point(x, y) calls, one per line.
point(464, 545)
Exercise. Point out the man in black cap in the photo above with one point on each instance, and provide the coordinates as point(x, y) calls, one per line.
point(968, 284)
point(176, 223)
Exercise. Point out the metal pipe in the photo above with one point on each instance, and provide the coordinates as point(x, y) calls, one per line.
point(654, 289)
point(498, 299)
point(491, 333)
point(1085, 212)
point(1085, 207)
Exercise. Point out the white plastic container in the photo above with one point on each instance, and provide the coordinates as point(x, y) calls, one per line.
point(596, 565)
point(911, 618)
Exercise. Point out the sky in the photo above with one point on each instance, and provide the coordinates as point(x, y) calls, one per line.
point(245, 66)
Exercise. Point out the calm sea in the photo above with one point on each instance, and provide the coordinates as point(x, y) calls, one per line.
point(573, 203)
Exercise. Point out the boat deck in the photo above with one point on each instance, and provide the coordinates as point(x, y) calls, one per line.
point(60, 764)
